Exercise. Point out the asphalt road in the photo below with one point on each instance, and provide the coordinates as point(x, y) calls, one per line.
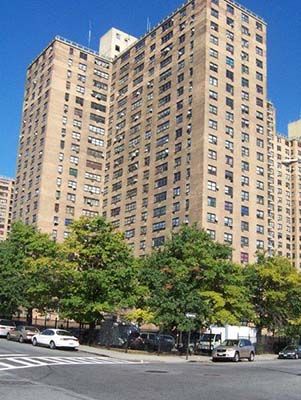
point(31, 373)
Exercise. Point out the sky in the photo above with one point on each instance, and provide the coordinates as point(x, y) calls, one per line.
point(26, 26)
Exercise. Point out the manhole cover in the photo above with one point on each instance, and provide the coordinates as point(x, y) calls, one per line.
point(156, 371)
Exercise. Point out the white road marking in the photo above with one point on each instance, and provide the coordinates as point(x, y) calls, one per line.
point(14, 355)
point(4, 366)
point(21, 362)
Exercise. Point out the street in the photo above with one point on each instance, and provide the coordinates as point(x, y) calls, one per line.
point(31, 373)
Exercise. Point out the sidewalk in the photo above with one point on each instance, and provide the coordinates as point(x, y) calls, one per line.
point(139, 356)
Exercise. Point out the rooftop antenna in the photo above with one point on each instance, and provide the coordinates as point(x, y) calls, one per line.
point(89, 34)
point(148, 25)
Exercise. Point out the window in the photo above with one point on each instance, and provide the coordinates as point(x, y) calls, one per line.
point(214, 39)
point(161, 182)
point(158, 241)
point(212, 186)
point(212, 139)
point(213, 81)
point(213, 53)
point(211, 217)
point(244, 17)
point(212, 109)
point(228, 238)
point(80, 89)
point(159, 226)
point(211, 202)
point(213, 67)
point(212, 124)
point(259, 51)
point(212, 170)
point(259, 38)
point(260, 171)
point(214, 26)
point(230, 62)
point(213, 95)
point(260, 244)
point(244, 211)
point(212, 154)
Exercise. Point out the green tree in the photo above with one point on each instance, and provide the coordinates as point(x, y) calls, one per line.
point(192, 273)
point(104, 271)
point(276, 292)
point(24, 247)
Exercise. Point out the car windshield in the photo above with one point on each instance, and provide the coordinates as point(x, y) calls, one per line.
point(207, 337)
point(63, 333)
point(230, 342)
point(31, 328)
point(288, 348)
point(6, 322)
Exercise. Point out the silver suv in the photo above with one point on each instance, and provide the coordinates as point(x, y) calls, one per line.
point(234, 350)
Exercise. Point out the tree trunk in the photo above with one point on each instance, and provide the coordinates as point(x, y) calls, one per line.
point(29, 316)
point(91, 333)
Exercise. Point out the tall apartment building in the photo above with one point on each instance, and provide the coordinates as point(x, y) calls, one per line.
point(293, 165)
point(284, 190)
point(181, 114)
point(187, 133)
point(6, 202)
point(62, 139)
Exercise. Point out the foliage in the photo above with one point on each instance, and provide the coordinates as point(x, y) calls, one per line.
point(104, 272)
point(24, 246)
point(276, 292)
point(139, 316)
point(193, 274)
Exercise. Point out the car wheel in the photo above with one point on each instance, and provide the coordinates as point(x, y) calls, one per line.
point(236, 357)
point(34, 342)
point(52, 345)
point(251, 357)
point(8, 336)
point(214, 359)
point(21, 339)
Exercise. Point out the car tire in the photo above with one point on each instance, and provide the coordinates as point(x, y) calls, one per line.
point(21, 339)
point(214, 359)
point(236, 357)
point(251, 357)
point(52, 345)
point(8, 336)
point(34, 342)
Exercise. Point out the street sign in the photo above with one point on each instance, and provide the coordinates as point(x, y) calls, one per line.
point(190, 315)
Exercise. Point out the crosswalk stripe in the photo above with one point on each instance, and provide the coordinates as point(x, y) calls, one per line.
point(13, 355)
point(6, 366)
point(31, 362)
point(27, 361)
point(60, 360)
point(19, 361)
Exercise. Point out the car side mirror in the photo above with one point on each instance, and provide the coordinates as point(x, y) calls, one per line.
point(240, 345)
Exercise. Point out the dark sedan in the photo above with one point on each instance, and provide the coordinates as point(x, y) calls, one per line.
point(291, 351)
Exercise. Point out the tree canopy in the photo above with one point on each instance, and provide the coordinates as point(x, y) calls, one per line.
point(103, 270)
point(194, 274)
point(276, 292)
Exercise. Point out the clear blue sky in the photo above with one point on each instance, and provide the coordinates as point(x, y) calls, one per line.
point(26, 26)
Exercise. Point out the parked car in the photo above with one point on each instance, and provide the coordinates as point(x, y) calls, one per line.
point(291, 351)
point(22, 333)
point(6, 326)
point(154, 341)
point(234, 350)
point(54, 338)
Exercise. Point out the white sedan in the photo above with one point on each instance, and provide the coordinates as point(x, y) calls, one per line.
point(54, 338)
